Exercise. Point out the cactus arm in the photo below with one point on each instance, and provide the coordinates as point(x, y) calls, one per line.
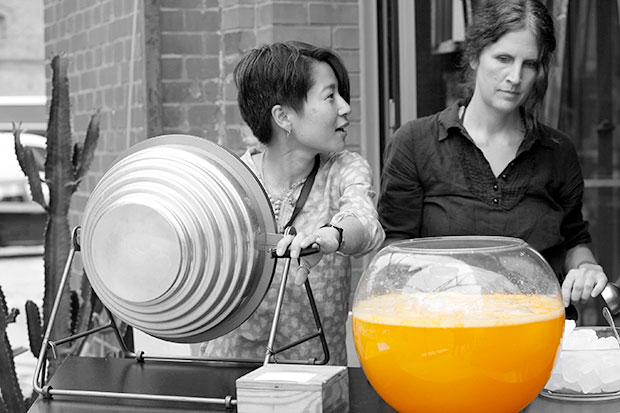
point(90, 144)
point(77, 153)
point(29, 166)
point(19, 148)
point(32, 173)
point(35, 327)
point(9, 385)
point(58, 165)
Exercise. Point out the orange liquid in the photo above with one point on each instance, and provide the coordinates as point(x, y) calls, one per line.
point(458, 353)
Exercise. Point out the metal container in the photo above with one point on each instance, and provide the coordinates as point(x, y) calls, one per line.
point(611, 295)
point(174, 239)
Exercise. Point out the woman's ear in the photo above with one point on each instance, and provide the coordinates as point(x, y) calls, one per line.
point(280, 117)
point(473, 63)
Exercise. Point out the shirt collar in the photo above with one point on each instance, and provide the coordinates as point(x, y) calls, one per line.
point(449, 118)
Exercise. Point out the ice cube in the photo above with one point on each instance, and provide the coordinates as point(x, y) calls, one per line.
point(572, 386)
point(579, 339)
point(590, 382)
point(571, 373)
point(576, 366)
point(557, 367)
point(613, 342)
point(604, 343)
point(569, 326)
point(613, 386)
point(608, 372)
point(555, 382)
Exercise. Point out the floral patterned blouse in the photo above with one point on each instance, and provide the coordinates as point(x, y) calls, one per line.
point(342, 187)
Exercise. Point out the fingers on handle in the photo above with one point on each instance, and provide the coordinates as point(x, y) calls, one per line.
point(302, 273)
point(601, 282)
point(588, 285)
point(283, 244)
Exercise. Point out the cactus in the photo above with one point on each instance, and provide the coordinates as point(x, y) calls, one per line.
point(66, 164)
point(35, 329)
point(80, 318)
point(12, 399)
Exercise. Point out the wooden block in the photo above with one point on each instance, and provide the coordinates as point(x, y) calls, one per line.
point(294, 388)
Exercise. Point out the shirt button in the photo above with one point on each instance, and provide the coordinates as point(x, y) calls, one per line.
point(495, 201)
point(495, 187)
point(504, 177)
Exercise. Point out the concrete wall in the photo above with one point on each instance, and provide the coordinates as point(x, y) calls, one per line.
point(21, 48)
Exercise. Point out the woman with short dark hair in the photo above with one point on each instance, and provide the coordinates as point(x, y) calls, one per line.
point(295, 98)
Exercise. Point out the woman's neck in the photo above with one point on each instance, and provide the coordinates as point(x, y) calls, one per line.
point(283, 169)
point(485, 124)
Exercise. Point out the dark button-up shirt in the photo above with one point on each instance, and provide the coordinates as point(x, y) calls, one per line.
point(437, 182)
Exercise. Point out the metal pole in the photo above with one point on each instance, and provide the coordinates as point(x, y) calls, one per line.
point(276, 316)
point(38, 386)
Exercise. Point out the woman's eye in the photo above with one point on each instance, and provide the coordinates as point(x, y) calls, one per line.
point(530, 64)
point(503, 59)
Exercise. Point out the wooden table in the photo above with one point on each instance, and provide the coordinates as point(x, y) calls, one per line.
point(211, 381)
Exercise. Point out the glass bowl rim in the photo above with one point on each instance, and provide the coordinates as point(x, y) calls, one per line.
point(459, 244)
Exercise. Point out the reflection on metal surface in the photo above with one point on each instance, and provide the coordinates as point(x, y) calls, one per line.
point(173, 239)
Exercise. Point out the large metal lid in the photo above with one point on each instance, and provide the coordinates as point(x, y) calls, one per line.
point(174, 239)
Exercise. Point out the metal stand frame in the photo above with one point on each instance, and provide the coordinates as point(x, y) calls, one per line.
point(48, 391)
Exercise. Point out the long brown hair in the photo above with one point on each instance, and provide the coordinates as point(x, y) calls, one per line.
point(494, 19)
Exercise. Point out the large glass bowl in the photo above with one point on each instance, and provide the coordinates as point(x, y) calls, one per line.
point(455, 324)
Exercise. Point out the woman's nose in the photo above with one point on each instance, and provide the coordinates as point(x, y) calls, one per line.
point(344, 109)
point(514, 76)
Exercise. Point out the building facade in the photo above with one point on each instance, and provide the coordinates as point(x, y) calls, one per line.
point(22, 65)
point(165, 66)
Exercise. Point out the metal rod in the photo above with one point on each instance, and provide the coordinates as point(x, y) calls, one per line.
point(117, 333)
point(317, 321)
point(295, 343)
point(276, 315)
point(38, 387)
point(80, 335)
point(138, 396)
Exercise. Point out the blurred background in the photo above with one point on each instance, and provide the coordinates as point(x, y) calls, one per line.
point(164, 66)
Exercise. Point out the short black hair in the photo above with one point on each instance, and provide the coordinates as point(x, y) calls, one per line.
point(281, 74)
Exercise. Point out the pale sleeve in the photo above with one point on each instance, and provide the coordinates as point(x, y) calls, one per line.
point(357, 199)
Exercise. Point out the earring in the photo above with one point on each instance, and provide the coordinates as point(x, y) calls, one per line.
point(288, 133)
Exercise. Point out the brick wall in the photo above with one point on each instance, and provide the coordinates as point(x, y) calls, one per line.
point(180, 65)
point(97, 39)
point(203, 40)
point(182, 59)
